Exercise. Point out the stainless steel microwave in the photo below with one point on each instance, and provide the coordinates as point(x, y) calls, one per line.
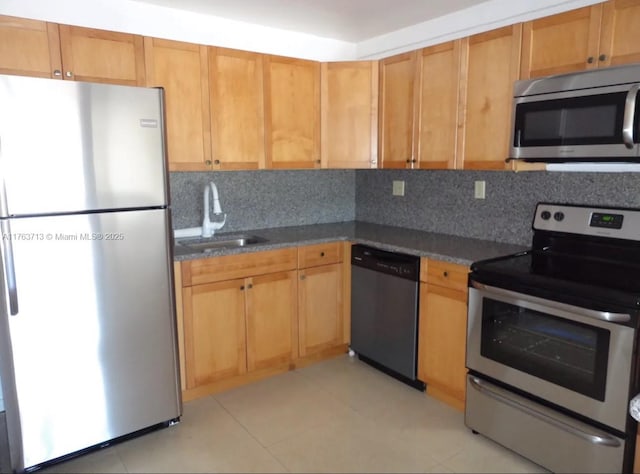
point(590, 116)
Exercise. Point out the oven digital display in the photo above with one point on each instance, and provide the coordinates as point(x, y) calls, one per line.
point(608, 221)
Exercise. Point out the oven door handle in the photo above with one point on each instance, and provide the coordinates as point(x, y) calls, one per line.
point(629, 115)
point(593, 437)
point(591, 313)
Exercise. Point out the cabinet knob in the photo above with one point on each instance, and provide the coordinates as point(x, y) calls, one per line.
point(207, 162)
point(302, 277)
point(317, 162)
point(216, 162)
point(57, 73)
point(242, 288)
point(250, 285)
point(602, 57)
point(322, 254)
point(445, 274)
point(68, 74)
point(590, 59)
point(408, 160)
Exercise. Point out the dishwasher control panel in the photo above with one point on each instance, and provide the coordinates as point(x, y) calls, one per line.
point(391, 263)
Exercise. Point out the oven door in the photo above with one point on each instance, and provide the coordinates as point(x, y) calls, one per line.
point(573, 357)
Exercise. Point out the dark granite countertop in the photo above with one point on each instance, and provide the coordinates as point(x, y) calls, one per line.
point(449, 248)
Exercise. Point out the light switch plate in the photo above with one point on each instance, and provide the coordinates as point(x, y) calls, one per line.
point(479, 189)
point(398, 188)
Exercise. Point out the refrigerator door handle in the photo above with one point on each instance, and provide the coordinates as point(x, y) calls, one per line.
point(8, 267)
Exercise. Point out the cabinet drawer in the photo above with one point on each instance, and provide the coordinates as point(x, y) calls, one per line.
point(229, 267)
point(320, 254)
point(450, 275)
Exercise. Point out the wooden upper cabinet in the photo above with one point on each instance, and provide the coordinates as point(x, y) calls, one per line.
point(397, 102)
point(490, 64)
point(349, 114)
point(102, 56)
point(605, 34)
point(181, 69)
point(292, 112)
point(438, 117)
point(561, 43)
point(29, 48)
point(619, 33)
point(237, 109)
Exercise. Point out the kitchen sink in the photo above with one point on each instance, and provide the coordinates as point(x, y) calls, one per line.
point(221, 242)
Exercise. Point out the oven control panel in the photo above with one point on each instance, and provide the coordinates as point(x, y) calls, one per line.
point(586, 220)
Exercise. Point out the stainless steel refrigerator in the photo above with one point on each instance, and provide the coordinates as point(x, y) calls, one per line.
point(88, 347)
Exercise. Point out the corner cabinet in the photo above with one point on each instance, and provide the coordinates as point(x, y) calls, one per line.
point(443, 330)
point(181, 69)
point(349, 114)
point(292, 113)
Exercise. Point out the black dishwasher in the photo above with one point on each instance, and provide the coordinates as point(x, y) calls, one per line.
point(384, 311)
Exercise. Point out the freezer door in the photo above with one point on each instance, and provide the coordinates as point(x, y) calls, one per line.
point(93, 340)
point(72, 146)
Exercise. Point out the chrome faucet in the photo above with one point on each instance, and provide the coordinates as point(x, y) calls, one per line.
point(208, 227)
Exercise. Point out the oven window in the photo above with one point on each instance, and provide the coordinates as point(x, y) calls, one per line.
point(568, 353)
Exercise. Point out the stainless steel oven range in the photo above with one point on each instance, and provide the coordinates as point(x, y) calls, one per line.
point(552, 341)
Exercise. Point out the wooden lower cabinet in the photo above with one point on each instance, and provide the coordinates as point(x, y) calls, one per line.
point(442, 331)
point(320, 308)
point(214, 331)
point(272, 331)
point(248, 316)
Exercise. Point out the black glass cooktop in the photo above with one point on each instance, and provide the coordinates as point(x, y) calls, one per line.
point(585, 280)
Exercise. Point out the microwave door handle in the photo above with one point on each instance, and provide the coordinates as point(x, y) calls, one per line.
point(629, 115)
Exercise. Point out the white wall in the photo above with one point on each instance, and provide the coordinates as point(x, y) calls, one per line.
point(150, 20)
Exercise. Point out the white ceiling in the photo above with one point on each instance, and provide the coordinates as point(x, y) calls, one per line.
point(346, 20)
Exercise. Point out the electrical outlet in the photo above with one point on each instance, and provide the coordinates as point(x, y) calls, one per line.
point(479, 189)
point(398, 188)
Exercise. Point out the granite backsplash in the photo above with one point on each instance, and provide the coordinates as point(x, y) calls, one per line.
point(435, 200)
point(266, 198)
point(442, 200)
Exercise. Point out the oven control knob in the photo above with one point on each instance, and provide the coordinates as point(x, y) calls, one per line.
point(546, 215)
point(558, 216)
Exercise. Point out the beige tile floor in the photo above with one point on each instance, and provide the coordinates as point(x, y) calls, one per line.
point(340, 415)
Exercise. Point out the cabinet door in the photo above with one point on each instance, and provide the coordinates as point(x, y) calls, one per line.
point(349, 114)
point(272, 330)
point(620, 33)
point(561, 43)
point(397, 102)
point(489, 68)
point(181, 69)
point(102, 56)
point(29, 48)
point(439, 87)
point(320, 308)
point(214, 331)
point(292, 111)
point(237, 109)
point(442, 341)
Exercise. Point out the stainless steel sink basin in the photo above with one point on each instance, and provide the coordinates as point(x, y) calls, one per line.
point(221, 242)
